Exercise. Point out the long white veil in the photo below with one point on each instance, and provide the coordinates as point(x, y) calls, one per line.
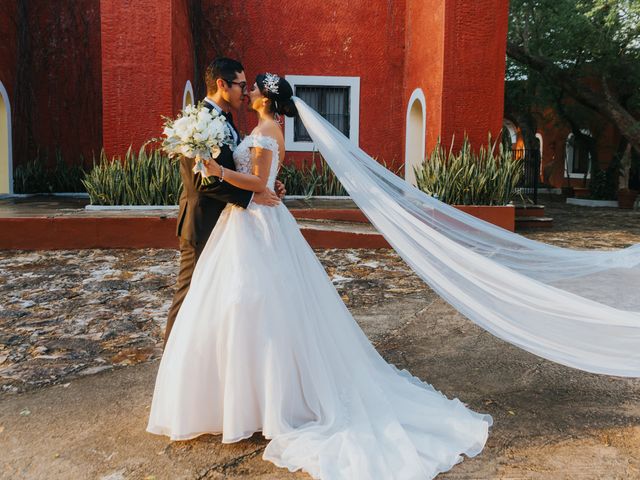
point(578, 308)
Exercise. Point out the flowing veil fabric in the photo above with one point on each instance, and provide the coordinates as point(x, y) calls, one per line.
point(578, 308)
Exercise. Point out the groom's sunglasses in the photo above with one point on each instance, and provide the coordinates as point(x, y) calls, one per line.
point(242, 85)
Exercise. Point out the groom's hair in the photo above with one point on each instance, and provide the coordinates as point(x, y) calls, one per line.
point(221, 67)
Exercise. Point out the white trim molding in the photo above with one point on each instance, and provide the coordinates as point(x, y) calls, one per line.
point(188, 90)
point(541, 145)
point(410, 140)
point(325, 81)
point(7, 107)
point(512, 129)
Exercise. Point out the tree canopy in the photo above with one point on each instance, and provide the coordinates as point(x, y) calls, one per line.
point(586, 50)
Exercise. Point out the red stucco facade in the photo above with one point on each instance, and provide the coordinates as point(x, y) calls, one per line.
point(454, 50)
point(50, 61)
point(140, 43)
point(8, 50)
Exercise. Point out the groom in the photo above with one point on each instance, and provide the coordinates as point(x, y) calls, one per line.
point(200, 205)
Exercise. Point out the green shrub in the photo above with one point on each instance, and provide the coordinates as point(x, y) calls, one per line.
point(485, 177)
point(148, 178)
point(34, 177)
point(311, 179)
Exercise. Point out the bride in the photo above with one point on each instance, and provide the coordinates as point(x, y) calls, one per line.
point(263, 342)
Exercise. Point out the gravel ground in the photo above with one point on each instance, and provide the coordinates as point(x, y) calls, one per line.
point(80, 339)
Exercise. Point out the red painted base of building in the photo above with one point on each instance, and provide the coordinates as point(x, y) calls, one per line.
point(64, 233)
point(502, 216)
point(69, 233)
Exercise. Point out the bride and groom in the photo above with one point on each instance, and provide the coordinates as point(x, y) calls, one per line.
point(263, 342)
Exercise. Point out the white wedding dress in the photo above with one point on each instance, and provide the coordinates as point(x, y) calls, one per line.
point(263, 342)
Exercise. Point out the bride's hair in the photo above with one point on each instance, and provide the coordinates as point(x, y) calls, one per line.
point(279, 91)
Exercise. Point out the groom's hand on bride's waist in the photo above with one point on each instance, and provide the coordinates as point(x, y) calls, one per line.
point(266, 197)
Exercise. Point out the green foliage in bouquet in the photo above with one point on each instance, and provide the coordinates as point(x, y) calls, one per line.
point(489, 176)
point(35, 177)
point(145, 178)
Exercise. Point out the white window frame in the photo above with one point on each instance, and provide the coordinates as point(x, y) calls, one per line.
point(569, 164)
point(325, 81)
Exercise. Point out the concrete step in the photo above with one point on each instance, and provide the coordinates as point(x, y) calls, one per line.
point(533, 222)
point(529, 211)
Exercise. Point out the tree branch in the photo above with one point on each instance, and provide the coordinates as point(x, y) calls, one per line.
point(607, 105)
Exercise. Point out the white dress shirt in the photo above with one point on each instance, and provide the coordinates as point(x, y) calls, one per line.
point(235, 135)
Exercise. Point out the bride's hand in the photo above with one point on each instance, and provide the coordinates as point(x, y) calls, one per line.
point(211, 167)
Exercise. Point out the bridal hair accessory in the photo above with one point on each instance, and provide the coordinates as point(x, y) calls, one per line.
point(271, 81)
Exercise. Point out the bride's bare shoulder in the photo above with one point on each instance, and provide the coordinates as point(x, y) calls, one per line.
point(269, 129)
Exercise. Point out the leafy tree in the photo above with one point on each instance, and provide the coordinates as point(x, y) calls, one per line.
point(584, 50)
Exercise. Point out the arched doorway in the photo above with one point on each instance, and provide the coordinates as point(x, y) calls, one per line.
point(416, 134)
point(6, 161)
point(187, 96)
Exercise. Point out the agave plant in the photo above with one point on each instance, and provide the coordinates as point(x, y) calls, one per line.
point(489, 176)
point(145, 178)
point(311, 179)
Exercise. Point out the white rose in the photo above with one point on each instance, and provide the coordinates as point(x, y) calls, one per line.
point(186, 150)
point(204, 115)
point(199, 137)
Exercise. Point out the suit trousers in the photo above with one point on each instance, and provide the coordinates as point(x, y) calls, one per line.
point(189, 255)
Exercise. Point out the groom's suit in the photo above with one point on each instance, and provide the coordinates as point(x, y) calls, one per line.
point(200, 208)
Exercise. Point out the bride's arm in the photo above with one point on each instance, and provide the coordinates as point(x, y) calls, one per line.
point(256, 182)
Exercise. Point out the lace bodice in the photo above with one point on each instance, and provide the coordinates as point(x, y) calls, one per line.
point(242, 155)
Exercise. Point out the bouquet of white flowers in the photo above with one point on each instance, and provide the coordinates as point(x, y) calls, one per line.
point(197, 132)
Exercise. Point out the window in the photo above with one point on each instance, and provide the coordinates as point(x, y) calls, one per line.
point(336, 98)
point(331, 102)
point(578, 154)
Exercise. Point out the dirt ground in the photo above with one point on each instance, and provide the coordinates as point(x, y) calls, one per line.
point(550, 421)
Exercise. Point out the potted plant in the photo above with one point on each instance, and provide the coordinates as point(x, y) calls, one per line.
point(626, 196)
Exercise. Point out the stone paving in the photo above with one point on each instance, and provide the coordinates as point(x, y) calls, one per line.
point(73, 322)
point(69, 313)
point(72, 313)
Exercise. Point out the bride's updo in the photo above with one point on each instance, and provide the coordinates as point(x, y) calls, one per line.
point(279, 91)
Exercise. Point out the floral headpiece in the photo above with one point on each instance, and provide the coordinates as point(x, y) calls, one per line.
point(271, 81)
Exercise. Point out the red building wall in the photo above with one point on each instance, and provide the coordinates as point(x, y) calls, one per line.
point(8, 39)
point(474, 66)
point(181, 51)
point(146, 61)
point(325, 37)
point(103, 72)
point(424, 61)
point(554, 132)
point(50, 64)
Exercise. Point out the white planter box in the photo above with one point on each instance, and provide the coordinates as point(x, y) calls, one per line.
point(130, 207)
